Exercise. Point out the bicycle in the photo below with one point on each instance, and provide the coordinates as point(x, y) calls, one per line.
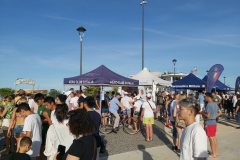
point(128, 124)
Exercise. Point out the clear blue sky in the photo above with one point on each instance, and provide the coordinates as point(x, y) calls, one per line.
point(38, 39)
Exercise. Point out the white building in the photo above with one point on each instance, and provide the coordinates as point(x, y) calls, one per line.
point(168, 76)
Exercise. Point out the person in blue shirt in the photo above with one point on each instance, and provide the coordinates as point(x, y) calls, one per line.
point(201, 102)
point(114, 105)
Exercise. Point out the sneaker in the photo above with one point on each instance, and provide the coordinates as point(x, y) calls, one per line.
point(167, 125)
point(170, 124)
point(173, 148)
point(176, 148)
point(114, 130)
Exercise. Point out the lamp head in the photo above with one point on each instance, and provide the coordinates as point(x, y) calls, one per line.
point(81, 29)
point(174, 61)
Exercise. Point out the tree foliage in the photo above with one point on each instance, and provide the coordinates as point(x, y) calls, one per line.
point(54, 93)
point(91, 90)
point(6, 92)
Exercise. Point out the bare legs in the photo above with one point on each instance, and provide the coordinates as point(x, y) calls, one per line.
point(9, 141)
point(179, 131)
point(149, 132)
point(213, 143)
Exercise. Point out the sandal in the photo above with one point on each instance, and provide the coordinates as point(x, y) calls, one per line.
point(146, 140)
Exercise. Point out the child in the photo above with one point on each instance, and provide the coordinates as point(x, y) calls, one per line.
point(25, 145)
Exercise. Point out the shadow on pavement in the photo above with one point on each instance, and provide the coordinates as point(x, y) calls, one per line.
point(146, 155)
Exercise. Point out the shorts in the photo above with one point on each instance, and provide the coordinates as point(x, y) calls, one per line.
point(104, 110)
point(174, 131)
point(137, 114)
point(5, 124)
point(127, 111)
point(44, 139)
point(238, 117)
point(211, 130)
point(225, 107)
point(202, 107)
point(148, 120)
point(230, 110)
point(158, 107)
point(17, 129)
point(162, 108)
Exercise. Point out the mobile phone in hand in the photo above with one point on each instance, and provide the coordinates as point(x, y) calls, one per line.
point(61, 150)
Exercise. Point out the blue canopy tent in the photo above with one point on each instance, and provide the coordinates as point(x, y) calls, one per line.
point(189, 82)
point(220, 86)
point(101, 76)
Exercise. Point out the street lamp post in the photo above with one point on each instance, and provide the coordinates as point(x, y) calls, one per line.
point(174, 62)
point(81, 29)
point(142, 3)
point(224, 79)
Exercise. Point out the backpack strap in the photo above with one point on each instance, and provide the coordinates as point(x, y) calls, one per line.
point(150, 105)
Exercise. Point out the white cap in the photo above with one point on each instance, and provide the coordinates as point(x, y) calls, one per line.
point(149, 95)
point(237, 92)
point(137, 97)
point(125, 92)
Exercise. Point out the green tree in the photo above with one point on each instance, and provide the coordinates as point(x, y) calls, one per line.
point(115, 89)
point(6, 92)
point(54, 93)
point(91, 90)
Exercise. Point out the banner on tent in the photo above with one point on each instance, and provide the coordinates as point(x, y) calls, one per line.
point(188, 86)
point(145, 82)
point(25, 81)
point(213, 75)
point(237, 84)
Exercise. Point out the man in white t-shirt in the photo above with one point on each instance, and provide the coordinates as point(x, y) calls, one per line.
point(126, 103)
point(50, 104)
point(74, 101)
point(148, 108)
point(32, 129)
point(193, 140)
point(137, 112)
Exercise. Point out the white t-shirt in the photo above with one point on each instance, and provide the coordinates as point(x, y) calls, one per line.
point(171, 109)
point(148, 112)
point(33, 123)
point(52, 141)
point(125, 101)
point(193, 142)
point(234, 101)
point(53, 117)
point(74, 100)
point(33, 104)
point(138, 105)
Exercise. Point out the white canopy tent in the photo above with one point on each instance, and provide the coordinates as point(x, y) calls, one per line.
point(146, 78)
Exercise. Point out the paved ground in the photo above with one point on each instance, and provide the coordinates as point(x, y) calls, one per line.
point(128, 147)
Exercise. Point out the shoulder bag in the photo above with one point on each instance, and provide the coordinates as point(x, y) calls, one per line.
point(61, 148)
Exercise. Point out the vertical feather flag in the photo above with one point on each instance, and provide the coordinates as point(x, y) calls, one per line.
point(213, 75)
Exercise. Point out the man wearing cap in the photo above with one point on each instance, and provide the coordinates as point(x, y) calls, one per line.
point(21, 93)
point(212, 111)
point(114, 106)
point(148, 108)
point(126, 101)
point(137, 112)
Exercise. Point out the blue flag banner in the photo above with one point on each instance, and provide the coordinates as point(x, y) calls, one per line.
point(237, 84)
point(213, 75)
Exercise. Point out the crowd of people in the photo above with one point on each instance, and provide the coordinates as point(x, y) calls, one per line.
point(67, 127)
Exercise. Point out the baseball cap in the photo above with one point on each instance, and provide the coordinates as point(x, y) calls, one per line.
point(21, 91)
point(137, 97)
point(214, 92)
point(149, 95)
point(125, 92)
point(118, 94)
point(208, 94)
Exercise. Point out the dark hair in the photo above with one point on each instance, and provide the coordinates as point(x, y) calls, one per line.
point(208, 94)
point(190, 103)
point(113, 92)
point(238, 95)
point(38, 96)
point(62, 98)
point(49, 100)
point(169, 97)
point(89, 101)
point(23, 106)
point(80, 123)
point(61, 112)
point(24, 141)
point(107, 92)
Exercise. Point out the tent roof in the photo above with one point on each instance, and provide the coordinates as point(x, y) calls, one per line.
point(146, 78)
point(219, 84)
point(190, 82)
point(101, 76)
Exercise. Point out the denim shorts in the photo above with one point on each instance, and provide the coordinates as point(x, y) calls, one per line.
point(174, 131)
point(127, 111)
point(104, 110)
point(17, 129)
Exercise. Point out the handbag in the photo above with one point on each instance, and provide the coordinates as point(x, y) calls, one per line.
point(180, 124)
point(103, 146)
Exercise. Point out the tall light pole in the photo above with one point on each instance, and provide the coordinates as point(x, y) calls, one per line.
point(174, 62)
point(224, 79)
point(142, 3)
point(81, 29)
